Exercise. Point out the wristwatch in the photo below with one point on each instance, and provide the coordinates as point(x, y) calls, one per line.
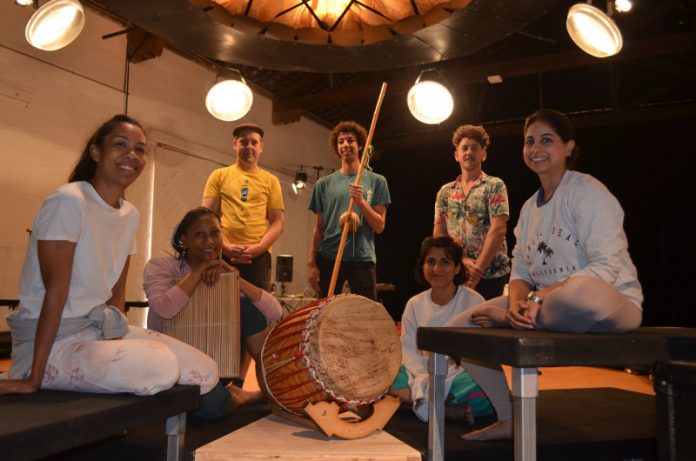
point(533, 296)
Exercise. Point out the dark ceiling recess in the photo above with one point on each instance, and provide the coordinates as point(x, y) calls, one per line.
point(523, 42)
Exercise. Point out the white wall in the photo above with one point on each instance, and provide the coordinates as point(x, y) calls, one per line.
point(50, 102)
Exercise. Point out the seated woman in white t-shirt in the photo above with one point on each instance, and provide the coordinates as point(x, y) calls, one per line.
point(69, 332)
point(440, 268)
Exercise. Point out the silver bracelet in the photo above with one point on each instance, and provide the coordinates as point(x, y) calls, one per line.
point(533, 296)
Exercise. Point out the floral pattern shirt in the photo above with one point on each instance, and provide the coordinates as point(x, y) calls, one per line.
point(468, 217)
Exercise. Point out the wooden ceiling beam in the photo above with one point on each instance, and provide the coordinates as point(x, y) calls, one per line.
point(142, 46)
point(655, 92)
point(301, 86)
point(282, 113)
point(346, 95)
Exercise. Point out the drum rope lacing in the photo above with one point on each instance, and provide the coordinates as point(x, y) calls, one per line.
point(305, 351)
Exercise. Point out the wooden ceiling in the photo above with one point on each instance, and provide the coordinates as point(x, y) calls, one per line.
point(652, 78)
point(331, 22)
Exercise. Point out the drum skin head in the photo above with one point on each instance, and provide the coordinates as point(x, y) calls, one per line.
point(357, 350)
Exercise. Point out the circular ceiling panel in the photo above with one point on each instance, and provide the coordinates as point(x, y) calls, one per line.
point(337, 22)
point(193, 26)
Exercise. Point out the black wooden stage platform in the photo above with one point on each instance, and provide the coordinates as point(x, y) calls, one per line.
point(576, 424)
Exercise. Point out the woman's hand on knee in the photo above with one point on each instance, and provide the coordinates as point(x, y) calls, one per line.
point(520, 315)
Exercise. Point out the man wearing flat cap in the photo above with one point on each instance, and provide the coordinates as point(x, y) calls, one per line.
point(250, 204)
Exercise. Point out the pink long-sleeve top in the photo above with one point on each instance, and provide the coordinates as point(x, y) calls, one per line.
point(166, 299)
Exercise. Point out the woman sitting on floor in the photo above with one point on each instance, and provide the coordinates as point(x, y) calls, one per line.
point(439, 266)
point(69, 332)
point(571, 271)
point(170, 281)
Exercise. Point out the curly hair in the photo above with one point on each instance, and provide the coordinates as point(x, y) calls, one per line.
point(452, 250)
point(561, 124)
point(183, 226)
point(348, 126)
point(86, 166)
point(474, 132)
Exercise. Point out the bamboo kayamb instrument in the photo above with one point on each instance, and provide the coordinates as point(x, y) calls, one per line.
point(210, 322)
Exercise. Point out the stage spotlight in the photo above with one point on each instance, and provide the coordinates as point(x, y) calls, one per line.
point(55, 25)
point(300, 181)
point(593, 30)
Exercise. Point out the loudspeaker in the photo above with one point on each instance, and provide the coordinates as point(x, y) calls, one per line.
point(283, 268)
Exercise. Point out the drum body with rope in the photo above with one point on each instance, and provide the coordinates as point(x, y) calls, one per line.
point(344, 348)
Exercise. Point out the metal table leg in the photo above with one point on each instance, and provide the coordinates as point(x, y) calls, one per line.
point(525, 390)
point(175, 429)
point(437, 367)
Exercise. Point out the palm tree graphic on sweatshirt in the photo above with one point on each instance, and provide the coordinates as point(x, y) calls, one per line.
point(544, 249)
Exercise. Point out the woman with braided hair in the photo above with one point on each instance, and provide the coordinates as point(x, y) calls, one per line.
point(197, 242)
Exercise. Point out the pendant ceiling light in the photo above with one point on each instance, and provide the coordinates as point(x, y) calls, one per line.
point(55, 25)
point(429, 100)
point(593, 30)
point(229, 99)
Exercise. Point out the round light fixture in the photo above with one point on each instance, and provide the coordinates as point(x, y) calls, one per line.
point(229, 100)
point(430, 102)
point(593, 31)
point(55, 25)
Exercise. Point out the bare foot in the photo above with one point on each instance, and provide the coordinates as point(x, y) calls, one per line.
point(489, 317)
point(462, 412)
point(496, 431)
point(241, 397)
point(404, 394)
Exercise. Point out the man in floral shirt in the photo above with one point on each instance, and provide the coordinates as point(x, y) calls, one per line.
point(473, 210)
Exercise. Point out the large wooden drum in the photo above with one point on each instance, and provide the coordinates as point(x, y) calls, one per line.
point(344, 349)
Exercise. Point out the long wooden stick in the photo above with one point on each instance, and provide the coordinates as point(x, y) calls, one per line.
point(346, 225)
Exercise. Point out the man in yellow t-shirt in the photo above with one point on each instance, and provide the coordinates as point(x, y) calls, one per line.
point(250, 204)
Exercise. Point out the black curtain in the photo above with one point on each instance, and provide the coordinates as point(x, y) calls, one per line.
point(650, 168)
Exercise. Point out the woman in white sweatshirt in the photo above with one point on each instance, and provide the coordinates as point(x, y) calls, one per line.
point(571, 270)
